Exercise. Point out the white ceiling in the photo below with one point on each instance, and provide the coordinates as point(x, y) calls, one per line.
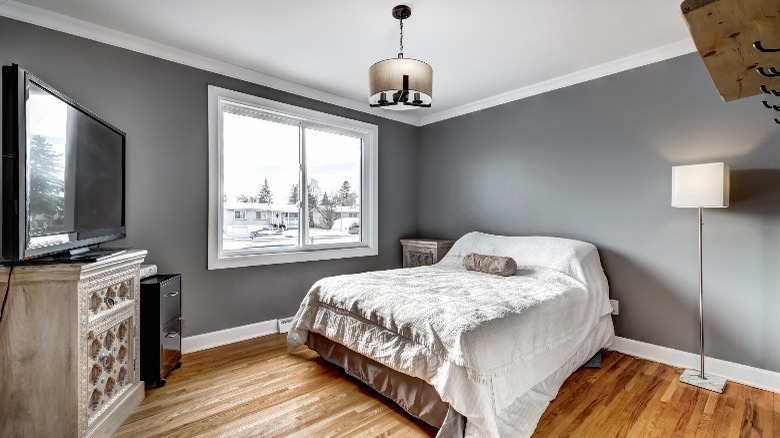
point(478, 50)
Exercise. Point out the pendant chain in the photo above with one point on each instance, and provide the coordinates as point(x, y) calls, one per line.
point(401, 52)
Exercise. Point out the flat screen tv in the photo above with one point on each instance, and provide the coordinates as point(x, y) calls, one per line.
point(63, 172)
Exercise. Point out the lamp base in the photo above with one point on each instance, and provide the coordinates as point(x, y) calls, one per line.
point(709, 382)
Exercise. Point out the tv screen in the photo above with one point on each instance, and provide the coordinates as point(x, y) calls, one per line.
point(63, 182)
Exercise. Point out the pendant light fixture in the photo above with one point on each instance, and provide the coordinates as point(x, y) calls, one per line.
point(400, 83)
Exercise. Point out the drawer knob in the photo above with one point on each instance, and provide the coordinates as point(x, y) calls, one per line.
point(110, 302)
point(172, 334)
point(172, 293)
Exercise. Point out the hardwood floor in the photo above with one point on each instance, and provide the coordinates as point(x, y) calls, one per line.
point(630, 397)
point(255, 388)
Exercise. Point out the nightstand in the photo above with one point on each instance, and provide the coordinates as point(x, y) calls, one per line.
point(424, 252)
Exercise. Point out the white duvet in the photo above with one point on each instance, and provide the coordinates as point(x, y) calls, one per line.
point(481, 340)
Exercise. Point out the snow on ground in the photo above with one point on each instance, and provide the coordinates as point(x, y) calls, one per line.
point(289, 238)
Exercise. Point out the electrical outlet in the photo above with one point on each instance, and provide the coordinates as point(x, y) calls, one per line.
point(615, 307)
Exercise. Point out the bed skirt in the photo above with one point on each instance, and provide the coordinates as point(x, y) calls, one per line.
point(422, 401)
point(414, 395)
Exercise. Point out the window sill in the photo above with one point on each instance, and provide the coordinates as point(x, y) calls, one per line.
point(241, 261)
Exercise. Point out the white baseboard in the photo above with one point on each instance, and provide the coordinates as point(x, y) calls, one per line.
point(205, 341)
point(746, 375)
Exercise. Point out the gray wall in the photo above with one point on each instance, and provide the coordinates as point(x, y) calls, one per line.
point(162, 108)
point(593, 162)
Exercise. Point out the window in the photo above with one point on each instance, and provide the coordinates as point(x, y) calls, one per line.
point(310, 177)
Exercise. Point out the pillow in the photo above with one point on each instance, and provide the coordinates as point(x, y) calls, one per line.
point(490, 264)
point(578, 260)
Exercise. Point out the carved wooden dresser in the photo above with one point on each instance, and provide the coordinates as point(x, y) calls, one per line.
point(423, 252)
point(69, 348)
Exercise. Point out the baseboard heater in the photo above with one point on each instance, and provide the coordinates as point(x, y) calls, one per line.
point(285, 324)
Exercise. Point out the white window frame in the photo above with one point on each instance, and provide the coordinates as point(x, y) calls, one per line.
point(369, 245)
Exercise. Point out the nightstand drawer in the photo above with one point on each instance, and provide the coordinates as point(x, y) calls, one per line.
point(418, 258)
point(424, 252)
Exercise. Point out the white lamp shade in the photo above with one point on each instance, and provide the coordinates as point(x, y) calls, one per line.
point(700, 185)
point(388, 77)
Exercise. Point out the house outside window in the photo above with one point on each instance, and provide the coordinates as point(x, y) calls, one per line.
point(308, 180)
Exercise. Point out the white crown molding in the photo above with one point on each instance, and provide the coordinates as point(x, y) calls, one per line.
point(41, 17)
point(746, 375)
point(63, 23)
point(219, 338)
point(609, 68)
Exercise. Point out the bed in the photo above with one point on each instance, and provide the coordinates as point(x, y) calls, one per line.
point(473, 354)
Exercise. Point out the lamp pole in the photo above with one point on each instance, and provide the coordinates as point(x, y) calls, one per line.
point(701, 295)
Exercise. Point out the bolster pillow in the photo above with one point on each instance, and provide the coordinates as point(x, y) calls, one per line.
point(489, 264)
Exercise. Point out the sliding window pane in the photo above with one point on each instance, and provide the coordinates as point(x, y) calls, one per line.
point(333, 165)
point(260, 182)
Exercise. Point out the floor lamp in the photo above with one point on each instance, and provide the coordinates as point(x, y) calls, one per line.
point(701, 186)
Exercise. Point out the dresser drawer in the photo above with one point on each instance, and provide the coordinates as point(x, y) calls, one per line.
point(109, 292)
point(110, 363)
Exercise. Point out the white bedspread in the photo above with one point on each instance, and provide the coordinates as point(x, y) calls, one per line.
point(480, 340)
